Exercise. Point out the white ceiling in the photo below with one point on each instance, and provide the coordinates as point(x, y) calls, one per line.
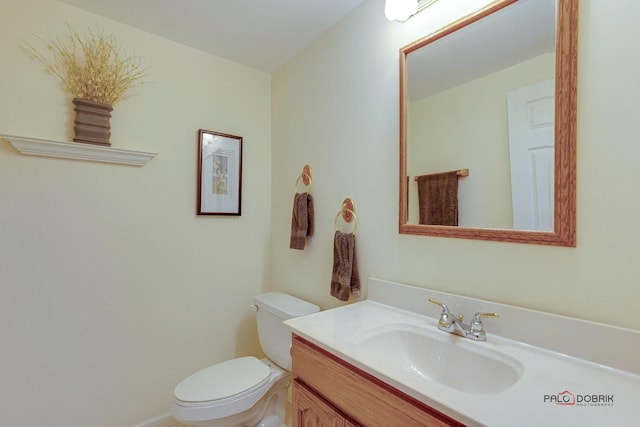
point(265, 34)
point(262, 34)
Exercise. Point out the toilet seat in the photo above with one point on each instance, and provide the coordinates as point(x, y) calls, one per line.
point(228, 380)
point(228, 397)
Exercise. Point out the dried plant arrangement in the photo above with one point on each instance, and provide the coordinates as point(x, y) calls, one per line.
point(92, 67)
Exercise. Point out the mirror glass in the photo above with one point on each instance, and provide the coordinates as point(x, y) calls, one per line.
point(488, 126)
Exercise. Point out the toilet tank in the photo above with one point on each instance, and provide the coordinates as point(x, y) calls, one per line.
point(273, 308)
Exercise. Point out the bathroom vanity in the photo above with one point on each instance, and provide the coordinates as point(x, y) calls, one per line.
point(327, 391)
point(384, 362)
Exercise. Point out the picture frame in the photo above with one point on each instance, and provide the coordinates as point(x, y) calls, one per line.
point(219, 173)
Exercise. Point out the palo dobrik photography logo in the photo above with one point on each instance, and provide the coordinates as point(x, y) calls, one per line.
point(564, 398)
point(567, 398)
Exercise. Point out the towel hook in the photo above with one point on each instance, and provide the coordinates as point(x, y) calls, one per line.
point(305, 176)
point(348, 213)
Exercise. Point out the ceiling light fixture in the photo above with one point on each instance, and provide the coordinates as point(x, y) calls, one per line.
point(400, 10)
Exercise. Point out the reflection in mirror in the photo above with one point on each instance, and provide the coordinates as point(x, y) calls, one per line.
point(492, 95)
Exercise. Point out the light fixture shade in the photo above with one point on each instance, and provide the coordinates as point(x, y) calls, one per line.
point(400, 10)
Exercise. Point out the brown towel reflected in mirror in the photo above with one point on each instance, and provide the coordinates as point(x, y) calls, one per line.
point(438, 198)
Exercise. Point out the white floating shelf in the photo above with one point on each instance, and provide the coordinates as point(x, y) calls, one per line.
point(77, 151)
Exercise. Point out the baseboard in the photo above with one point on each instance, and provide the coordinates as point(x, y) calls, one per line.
point(161, 421)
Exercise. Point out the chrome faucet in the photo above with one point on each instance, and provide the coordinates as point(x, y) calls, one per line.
point(453, 324)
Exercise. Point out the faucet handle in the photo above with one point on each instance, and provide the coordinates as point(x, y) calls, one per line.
point(444, 320)
point(436, 302)
point(445, 309)
point(476, 324)
point(477, 316)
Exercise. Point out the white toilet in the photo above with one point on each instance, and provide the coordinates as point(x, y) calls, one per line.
point(246, 392)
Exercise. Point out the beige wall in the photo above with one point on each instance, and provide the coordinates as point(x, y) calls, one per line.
point(112, 290)
point(335, 107)
point(467, 127)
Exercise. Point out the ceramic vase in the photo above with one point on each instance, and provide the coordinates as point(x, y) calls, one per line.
point(92, 124)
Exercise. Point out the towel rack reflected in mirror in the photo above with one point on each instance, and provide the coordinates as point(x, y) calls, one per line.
point(460, 172)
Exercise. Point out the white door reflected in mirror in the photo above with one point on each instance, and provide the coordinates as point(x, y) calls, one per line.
point(531, 148)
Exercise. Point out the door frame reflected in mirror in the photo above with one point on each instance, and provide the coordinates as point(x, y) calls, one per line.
point(564, 233)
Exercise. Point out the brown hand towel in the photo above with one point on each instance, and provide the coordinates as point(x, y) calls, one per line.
point(438, 198)
point(302, 220)
point(344, 278)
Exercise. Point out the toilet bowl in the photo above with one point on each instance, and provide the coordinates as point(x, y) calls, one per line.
point(246, 392)
point(259, 387)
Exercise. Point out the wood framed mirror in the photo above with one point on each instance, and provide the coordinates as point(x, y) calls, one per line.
point(435, 116)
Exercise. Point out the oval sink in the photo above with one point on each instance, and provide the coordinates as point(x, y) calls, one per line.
point(448, 359)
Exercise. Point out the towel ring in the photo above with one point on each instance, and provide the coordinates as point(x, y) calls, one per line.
point(301, 177)
point(348, 208)
point(353, 215)
point(305, 176)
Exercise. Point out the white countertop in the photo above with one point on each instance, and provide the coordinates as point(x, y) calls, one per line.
point(544, 373)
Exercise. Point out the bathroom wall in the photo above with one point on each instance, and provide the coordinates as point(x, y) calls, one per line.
point(336, 107)
point(112, 290)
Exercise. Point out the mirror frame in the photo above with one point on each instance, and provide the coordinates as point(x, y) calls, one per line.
point(564, 233)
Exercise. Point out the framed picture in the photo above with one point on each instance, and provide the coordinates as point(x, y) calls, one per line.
point(219, 173)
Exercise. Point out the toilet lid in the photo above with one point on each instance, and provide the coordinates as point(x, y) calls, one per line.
point(223, 380)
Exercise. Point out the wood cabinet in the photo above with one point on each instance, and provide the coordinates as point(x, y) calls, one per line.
point(311, 410)
point(329, 392)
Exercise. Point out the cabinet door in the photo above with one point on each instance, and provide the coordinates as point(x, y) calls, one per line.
point(310, 410)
